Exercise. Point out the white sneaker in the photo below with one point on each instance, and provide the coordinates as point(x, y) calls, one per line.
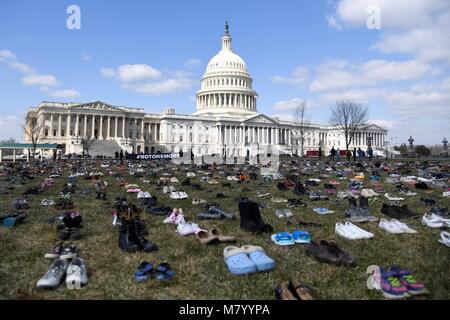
point(446, 194)
point(389, 227)
point(147, 194)
point(165, 189)
point(190, 175)
point(185, 229)
point(445, 238)
point(391, 198)
point(174, 180)
point(172, 189)
point(434, 221)
point(402, 226)
point(183, 195)
point(175, 195)
point(141, 194)
point(76, 276)
point(361, 233)
point(345, 232)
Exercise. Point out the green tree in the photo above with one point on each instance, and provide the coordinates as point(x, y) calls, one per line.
point(403, 149)
point(422, 150)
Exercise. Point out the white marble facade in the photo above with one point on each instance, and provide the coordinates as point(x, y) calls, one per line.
point(226, 121)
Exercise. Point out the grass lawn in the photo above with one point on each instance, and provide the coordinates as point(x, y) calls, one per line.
point(200, 269)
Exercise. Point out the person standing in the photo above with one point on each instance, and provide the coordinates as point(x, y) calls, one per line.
point(354, 155)
point(320, 154)
point(332, 153)
point(370, 153)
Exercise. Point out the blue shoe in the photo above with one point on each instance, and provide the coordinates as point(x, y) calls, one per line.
point(9, 222)
point(238, 262)
point(301, 237)
point(283, 239)
point(164, 272)
point(258, 256)
point(143, 272)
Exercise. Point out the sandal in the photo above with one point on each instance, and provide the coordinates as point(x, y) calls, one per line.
point(301, 291)
point(283, 239)
point(164, 272)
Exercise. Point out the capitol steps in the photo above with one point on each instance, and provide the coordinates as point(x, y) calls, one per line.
point(104, 148)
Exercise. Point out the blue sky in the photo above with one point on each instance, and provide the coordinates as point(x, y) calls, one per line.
point(319, 51)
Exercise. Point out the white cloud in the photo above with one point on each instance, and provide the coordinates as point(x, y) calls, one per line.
point(134, 72)
point(11, 127)
point(40, 79)
point(21, 67)
point(6, 55)
point(332, 22)
point(288, 105)
point(387, 124)
point(65, 94)
point(160, 87)
point(85, 56)
point(108, 72)
point(192, 63)
point(299, 77)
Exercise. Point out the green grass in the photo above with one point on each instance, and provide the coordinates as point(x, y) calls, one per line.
point(200, 269)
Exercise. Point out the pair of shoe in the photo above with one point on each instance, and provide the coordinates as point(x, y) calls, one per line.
point(11, 220)
point(131, 237)
point(323, 210)
point(352, 232)
point(75, 273)
point(396, 283)
point(213, 236)
point(71, 227)
point(47, 202)
point(283, 213)
point(294, 290)
point(214, 212)
point(197, 201)
point(187, 228)
point(278, 200)
point(63, 251)
point(247, 259)
point(180, 195)
point(392, 198)
point(161, 272)
point(434, 221)
point(287, 239)
point(251, 219)
point(329, 252)
point(395, 227)
point(175, 217)
point(142, 194)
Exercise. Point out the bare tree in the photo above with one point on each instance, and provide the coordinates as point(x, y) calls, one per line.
point(349, 116)
point(302, 123)
point(87, 144)
point(34, 132)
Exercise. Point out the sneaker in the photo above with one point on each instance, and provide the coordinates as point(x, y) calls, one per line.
point(197, 201)
point(175, 195)
point(185, 229)
point(55, 252)
point(143, 272)
point(392, 287)
point(54, 275)
point(69, 251)
point(76, 274)
point(392, 198)
point(141, 195)
point(445, 238)
point(408, 280)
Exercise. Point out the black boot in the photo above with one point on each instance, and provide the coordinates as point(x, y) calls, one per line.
point(363, 202)
point(125, 241)
point(138, 238)
point(352, 202)
point(251, 218)
point(299, 188)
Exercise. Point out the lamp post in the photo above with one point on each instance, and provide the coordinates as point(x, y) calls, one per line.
point(445, 142)
point(411, 145)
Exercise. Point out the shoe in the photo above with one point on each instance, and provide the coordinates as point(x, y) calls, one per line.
point(301, 237)
point(205, 238)
point(76, 274)
point(143, 272)
point(222, 238)
point(69, 251)
point(238, 262)
point(283, 239)
point(283, 293)
point(197, 201)
point(445, 238)
point(391, 286)
point(330, 253)
point(261, 195)
point(55, 252)
point(434, 221)
point(141, 195)
point(408, 280)
point(187, 228)
point(163, 272)
point(138, 238)
point(278, 200)
point(54, 275)
point(392, 198)
point(125, 239)
point(301, 291)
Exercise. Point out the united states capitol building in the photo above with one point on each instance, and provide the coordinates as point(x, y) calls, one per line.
point(226, 121)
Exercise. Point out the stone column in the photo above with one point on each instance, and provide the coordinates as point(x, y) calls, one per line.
point(77, 125)
point(85, 127)
point(93, 127)
point(59, 125)
point(108, 127)
point(51, 124)
point(289, 137)
point(100, 135)
point(142, 129)
point(115, 126)
point(123, 128)
point(68, 125)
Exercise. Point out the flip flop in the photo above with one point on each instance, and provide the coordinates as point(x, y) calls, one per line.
point(283, 239)
point(238, 262)
point(301, 291)
point(206, 238)
point(218, 234)
point(143, 272)
point(301, 237)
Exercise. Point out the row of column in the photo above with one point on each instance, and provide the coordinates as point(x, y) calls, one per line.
point(243, 134)
point(110, 122)
point(232, 100)
point(378, 139)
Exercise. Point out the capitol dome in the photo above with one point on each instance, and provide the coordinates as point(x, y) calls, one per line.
point(226, 86)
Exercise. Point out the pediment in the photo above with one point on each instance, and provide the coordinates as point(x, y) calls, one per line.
point(260, 118)
point(98, 105)
point(373, 127)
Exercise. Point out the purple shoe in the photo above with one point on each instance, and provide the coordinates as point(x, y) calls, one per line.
point(392, 287)
point(407, 279)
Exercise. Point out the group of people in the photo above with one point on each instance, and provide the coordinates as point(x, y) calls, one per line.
point(335, 154)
